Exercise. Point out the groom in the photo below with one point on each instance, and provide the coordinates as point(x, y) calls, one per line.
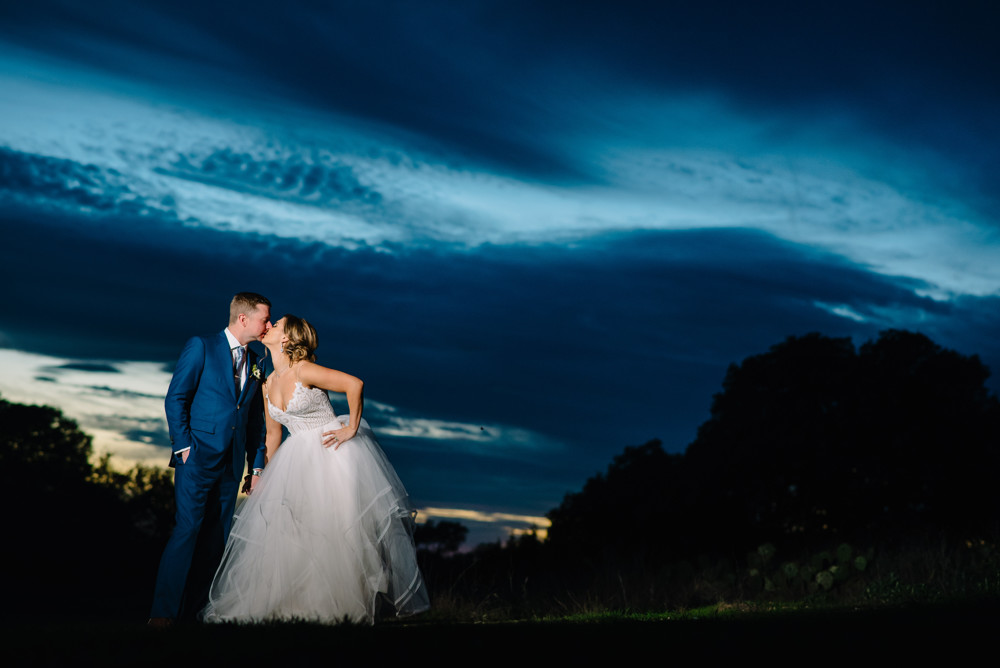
point(216, 418)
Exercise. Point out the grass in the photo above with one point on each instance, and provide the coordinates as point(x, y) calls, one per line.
point(733, 631)
point(912, 604)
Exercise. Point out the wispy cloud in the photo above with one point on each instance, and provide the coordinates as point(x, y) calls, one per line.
point(330, 180)
point(122, 403)
point(114, 402)
point(46, 183)
point(842, 310)
point(494, 440)
point(319, 179)
point(481, 516)
point(511, 524)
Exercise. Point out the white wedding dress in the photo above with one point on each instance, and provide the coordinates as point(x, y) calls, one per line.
point(325, 536)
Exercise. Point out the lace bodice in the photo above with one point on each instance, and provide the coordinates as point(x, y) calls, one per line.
point(309, 408)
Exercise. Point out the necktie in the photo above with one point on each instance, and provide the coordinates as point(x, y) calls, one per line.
point(238, 367)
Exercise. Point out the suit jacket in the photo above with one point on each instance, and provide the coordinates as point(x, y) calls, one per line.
point(204, 412)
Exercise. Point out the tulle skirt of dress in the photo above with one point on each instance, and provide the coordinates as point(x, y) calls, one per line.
point(325, 536)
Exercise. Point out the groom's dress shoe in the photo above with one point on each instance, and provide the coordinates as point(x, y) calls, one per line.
point(160, 623)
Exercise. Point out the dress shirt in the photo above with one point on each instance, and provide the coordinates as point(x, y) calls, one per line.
point(234, 343)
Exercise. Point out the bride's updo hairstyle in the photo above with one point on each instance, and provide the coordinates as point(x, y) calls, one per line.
point(302, 339)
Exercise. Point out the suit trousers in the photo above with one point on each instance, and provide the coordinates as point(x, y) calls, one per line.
point(205, 500)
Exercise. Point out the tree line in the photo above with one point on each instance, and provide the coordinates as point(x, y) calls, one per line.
point(809, 443)
point(818, 458)
point(816, 450)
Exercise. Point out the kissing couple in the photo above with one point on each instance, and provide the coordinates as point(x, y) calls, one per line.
point(326, 533)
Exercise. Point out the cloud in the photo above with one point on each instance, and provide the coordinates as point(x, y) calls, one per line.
point(478, 521)
point(117, 393)
point(510, 80)
point(516, 335)
point(119, 403)
point(48, 182)
point(481, 516)
point(842, 310)
point(88, 366)
point(319, 179)
point(440, 430)
point(493, 440)
point(646, 159)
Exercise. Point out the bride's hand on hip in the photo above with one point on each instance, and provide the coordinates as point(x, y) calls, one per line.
point(337, 437)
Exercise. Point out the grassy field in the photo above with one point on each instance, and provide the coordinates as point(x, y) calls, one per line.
point(777, 634)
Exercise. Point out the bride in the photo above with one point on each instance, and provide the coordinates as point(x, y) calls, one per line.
point(326, 534)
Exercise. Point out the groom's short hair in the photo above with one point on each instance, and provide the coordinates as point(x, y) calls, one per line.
point(245, 302)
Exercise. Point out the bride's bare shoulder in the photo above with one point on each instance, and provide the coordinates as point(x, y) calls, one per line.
point(308, 372)
point(329, 379)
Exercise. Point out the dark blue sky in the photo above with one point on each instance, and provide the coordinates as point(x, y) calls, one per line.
point(540, 231)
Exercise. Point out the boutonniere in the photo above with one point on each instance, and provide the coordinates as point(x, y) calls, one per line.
point(256, 372)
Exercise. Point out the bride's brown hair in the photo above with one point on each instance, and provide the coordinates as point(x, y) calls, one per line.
point(302, 339)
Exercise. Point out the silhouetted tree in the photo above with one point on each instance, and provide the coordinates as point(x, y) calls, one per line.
point(441, 537)
point(39, 446)
point(813, 441)
point(773, 447)
point(632, 508)
point(81, 539)
point(929, 438)
point(810, 443)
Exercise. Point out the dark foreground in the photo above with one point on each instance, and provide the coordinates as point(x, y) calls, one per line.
point(951, 629)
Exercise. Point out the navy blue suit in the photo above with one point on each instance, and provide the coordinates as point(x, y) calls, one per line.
point(223, 429)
